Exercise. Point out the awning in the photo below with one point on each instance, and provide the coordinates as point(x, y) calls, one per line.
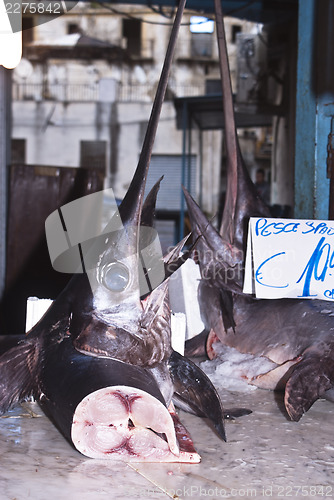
point(75, 46)
point(206, 112)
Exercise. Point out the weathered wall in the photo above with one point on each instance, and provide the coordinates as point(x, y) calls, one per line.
point(53, 132)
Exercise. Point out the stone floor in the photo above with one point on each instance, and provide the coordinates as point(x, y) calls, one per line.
point(265, 456)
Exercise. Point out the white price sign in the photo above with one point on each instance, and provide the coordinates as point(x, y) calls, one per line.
point(290, 258)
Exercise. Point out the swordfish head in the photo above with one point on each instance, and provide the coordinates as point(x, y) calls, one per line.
point(126, 315)
point(296, 335)
point(113, 319)
point(124, 312)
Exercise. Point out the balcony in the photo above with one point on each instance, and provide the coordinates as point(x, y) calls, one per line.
point(82, 92)
point(55, 92)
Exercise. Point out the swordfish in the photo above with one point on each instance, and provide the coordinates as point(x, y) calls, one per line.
point(100, 360)
point(297, 335)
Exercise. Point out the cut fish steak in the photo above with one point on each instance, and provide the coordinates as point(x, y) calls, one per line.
point(125, 423)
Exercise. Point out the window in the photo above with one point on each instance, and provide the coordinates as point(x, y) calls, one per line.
point(73, 28)
point(93, 154)
point(132, 33)
point(27, 32)
point(18, 151)
point(201, 30)
point(199, 24)
point(235, 30)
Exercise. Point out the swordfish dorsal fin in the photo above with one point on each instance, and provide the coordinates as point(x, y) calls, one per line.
point(242, 200)
point(216, 257)
point(149, 206)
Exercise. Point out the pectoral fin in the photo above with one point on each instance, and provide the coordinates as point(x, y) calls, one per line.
point(19, 368)
point(193, 391)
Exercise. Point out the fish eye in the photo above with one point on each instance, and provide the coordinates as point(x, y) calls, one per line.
point(115, 277)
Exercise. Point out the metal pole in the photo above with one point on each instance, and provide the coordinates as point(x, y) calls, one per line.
point(330, 170)
point(305, 114)
point(200, 140)
point(314, 107)
point(184, 164)
point(189, 158)
point(5, 136)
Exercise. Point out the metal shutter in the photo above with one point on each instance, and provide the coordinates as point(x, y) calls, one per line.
point(93, 154)
point(169, 197)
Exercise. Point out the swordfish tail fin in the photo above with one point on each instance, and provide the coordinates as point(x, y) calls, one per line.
point(310, 379)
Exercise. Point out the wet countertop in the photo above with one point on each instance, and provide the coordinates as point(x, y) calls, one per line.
point(265, 456)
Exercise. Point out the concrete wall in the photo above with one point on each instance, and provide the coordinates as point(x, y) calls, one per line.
point(53, 131)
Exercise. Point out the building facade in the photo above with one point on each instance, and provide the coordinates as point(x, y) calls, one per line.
point(82, 95)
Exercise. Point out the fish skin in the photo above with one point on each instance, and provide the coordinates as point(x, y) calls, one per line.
point(96, 323)
point(294, 333)
point(67, 376)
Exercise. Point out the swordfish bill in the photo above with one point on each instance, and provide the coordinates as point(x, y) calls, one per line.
point(242, 200)
point(131, 206)
point(101, 325)
point(220, 254)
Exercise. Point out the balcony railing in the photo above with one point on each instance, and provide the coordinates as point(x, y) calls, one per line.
point(55, 92)
point(82, 92)
point(135, 93)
